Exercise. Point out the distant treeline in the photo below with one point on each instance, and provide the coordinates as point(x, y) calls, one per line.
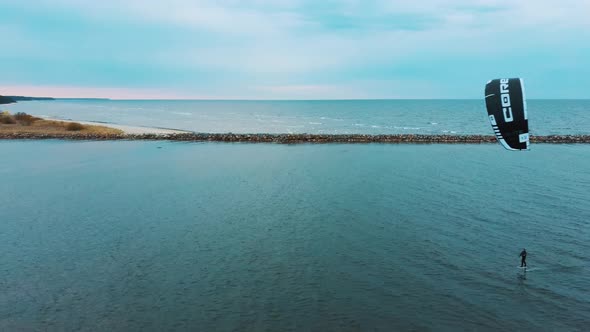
point(6, 100)
point(23, 98)
point(14, 99)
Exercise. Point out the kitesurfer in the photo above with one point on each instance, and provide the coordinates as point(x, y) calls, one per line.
point(523, 258)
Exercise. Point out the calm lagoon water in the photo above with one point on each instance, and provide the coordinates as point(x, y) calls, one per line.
point(135, 236)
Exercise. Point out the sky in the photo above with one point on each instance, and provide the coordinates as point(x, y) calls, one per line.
point(292, 49)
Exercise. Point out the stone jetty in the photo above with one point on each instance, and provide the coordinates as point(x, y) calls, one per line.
point(293, 138)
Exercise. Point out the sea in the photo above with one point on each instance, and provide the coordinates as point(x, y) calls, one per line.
point(547, 117)
point(176, 236)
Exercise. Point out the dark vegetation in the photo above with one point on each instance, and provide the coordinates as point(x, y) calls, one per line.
point(14, 99)
point(24, 119)
point(23, 98)
point(6, 118)
point(74, 126)
point(22, 125)
point(6, 100)
point(20, 118)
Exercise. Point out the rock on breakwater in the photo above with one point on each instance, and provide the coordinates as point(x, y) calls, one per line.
point(293, 138)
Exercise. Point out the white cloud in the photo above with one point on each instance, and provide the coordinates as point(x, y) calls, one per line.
point(361, 89)
point(285, 43)
point(227, 17)
point(264, 17)
point(95, 92)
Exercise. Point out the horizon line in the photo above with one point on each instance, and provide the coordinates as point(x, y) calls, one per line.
point(263, 99)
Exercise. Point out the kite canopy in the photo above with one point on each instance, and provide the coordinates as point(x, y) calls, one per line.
point(506, 105)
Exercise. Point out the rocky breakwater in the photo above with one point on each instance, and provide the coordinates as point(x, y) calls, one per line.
point(294, 138)
point(65, 136)
point(561, 139)
point(321, 138)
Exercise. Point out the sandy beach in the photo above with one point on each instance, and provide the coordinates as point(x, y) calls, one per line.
point(129, 130)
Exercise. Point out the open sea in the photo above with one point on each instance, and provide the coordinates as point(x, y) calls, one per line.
point(172, 236)
point(547, 117)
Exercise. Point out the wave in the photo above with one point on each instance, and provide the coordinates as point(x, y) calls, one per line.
point(407, 128)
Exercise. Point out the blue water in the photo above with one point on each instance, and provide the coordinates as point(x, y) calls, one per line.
point(329, 117)
point(136, 236)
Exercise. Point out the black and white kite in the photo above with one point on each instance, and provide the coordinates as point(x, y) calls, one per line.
point(506, 104)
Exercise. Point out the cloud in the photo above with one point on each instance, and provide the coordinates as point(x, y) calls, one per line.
point(95, 92)
point(361, 89)
point(306, 92)
point(225, 17)
point(289, 43)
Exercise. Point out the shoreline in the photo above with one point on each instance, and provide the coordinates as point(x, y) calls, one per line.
point(171, 135)
point(129, 130)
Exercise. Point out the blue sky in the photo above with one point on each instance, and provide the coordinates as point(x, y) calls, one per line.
point(292, 49)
